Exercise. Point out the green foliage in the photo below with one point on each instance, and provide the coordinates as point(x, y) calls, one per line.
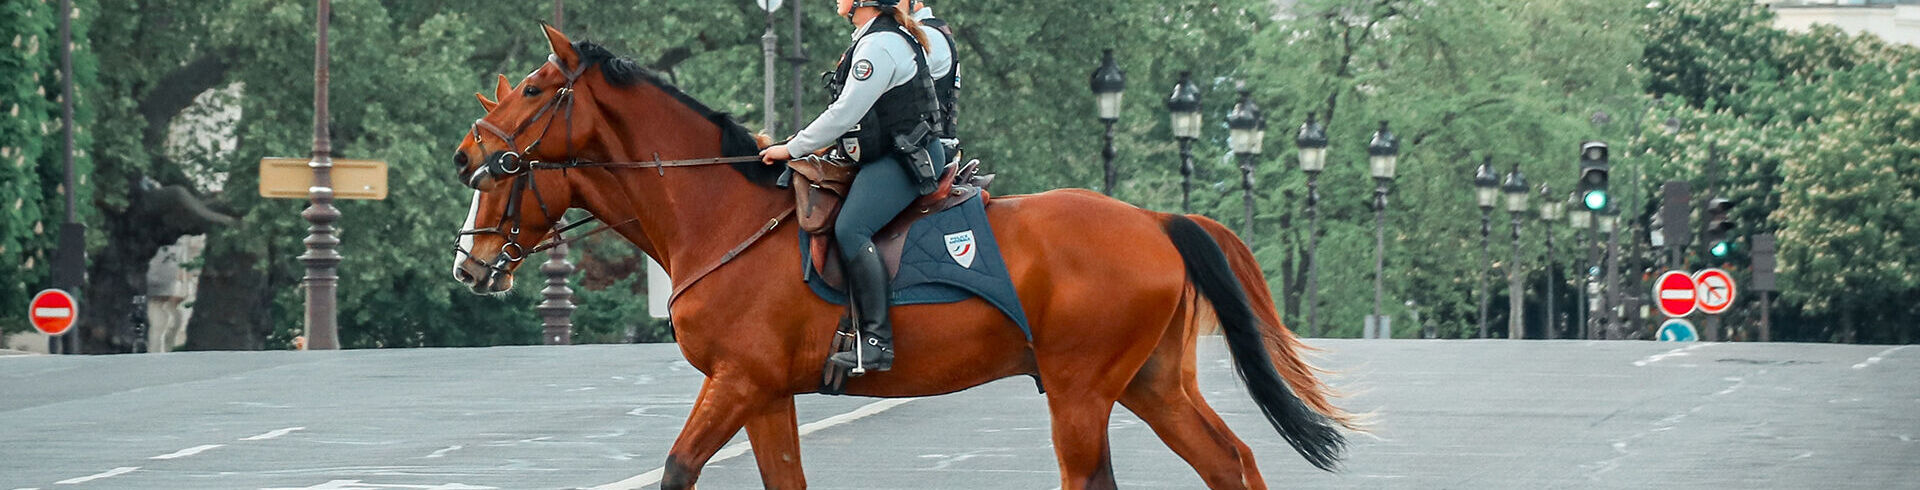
point(1815, 134)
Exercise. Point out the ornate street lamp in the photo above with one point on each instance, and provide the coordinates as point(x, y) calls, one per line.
point(1312, 142)
point(1550, 210)
point(1108, 84)
point(1516, 190)
point(1609, 221)
point(1184, 105)
point(1246, 129)
point(1582, 220)
point(1383, 153)
point(1486, 189)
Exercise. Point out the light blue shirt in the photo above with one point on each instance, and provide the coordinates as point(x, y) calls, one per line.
point(886, 61)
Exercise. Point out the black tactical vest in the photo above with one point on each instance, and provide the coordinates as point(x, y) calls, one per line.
point(947, 88)
point(898, 111)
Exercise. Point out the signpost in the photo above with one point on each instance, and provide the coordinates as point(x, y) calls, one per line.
point(53, 312)
point(292, 178)
point(1675, 294)
point(1716, 290)
point(1677, 330)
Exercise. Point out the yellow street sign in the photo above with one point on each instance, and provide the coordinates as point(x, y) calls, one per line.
point(290, 178)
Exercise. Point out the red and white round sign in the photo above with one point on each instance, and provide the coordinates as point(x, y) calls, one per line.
point(1716, 290)
point(1675, 293)
point(53, 311)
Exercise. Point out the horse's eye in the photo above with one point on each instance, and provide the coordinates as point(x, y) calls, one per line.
point(531, 91)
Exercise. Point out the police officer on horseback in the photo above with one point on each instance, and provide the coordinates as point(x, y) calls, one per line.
point(886, 116)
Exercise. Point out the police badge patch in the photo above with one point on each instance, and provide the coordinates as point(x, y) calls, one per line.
point(862, 70)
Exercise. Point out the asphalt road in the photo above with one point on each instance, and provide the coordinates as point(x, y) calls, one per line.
point(1448, 414)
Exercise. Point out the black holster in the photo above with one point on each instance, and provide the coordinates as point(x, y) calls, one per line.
point(911, 148)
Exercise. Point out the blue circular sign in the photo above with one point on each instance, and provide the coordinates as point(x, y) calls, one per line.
point(1678, 330)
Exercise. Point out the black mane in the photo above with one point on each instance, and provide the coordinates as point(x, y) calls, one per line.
point(735, 140)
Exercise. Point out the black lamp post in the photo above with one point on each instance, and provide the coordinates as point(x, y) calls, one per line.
point(1383, 153)
point(1246, 129)
point(1609, 221)
point(1184, 105)
point(1312, 142)
point(1108, 83)
point(1516, 190)
point(1582, 221)
point(1550, 210)
point(1485, 190)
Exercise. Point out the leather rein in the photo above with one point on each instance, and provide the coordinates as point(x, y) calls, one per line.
point(510, 164)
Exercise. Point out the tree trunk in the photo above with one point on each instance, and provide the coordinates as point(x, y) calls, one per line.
point(233, 303)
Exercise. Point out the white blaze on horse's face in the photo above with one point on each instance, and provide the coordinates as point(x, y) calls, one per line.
point(466, 241)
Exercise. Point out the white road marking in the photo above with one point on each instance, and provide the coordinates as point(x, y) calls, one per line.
point(1877, 357)
point(188, 451)
point(737, 449)
point(357, 485)
point(273, 434)
point(107, 474)
point(443, 452)
point(1664, 355)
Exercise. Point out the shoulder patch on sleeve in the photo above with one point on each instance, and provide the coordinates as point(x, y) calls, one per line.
point(862, 70)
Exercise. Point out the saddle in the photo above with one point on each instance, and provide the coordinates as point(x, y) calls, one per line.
point(820, 186)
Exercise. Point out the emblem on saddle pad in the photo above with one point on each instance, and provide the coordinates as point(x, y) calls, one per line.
point(960, 246)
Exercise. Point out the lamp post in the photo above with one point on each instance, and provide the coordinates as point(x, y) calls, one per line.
point(1184, 105)
point(321, 258)
point(556, 313)
point(1515, 189)
point(1246, 130)
point(1382, 154)
point(1312, 142)
point(1582, 221)
point(1108, 84)
point(1550, 210)
point(1609, 294)
point(1485, 190)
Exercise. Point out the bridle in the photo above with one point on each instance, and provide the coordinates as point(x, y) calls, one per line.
point(512, 164)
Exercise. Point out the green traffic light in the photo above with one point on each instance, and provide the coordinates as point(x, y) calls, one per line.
point(1720, 249)
point(1595, 200)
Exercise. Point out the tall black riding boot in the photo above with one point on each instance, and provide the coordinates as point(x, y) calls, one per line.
point(868, 294)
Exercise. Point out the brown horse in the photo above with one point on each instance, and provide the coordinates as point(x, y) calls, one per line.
point(1114, 293)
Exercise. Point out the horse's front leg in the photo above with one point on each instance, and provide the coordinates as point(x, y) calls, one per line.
point(718, 413)
point(776, 444)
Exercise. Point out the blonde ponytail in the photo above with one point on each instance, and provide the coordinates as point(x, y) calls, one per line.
point(913, 26)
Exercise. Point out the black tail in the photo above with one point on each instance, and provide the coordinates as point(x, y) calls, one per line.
point(1316, 437)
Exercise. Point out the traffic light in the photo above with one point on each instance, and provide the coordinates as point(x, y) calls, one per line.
point(1719, 244)
point(1593, 175)
point(1675, 205)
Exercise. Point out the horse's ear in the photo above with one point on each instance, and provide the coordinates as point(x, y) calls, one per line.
point(488, 104)
point(501, 88)
point(562, 48)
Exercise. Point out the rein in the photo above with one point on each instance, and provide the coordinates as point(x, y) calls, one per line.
point(509, 163)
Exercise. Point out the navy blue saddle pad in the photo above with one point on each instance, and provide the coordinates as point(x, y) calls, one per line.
point(948, 257)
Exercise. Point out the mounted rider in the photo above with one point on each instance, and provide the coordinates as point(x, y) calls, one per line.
point(944, 63)
point(886, 116)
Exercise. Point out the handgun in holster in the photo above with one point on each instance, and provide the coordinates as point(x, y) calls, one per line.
point(910, 146)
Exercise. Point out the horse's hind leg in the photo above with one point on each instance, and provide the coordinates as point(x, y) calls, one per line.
point(776, 445)
point(1165, 394)
point(1080, 440)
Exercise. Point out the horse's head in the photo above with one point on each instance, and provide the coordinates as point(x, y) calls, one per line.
point(548, 118)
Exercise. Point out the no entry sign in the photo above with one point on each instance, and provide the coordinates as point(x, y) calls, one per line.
point(1675, 294)
point(1716, 290)
point(53, 311)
